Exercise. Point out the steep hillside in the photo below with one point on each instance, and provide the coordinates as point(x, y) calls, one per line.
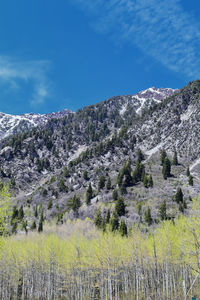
point(13, 124)
point(95, 152)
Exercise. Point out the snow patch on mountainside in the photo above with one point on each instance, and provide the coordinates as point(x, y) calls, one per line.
point(78, 152)
point(148, 96)
point(12, 124)
point(154, 150)
point(187, 114)
point(123, 109)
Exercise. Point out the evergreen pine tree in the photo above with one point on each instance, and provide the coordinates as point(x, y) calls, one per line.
point(179, 196)
point(40, 208)
point(107, 216)
point(123, 228)
point(50, 204)
point(98, 219)
point(108, 184)
point(175, 159)
point(139, 208)
point(123, 189)
point(147, 216)
point(14, 226)
point(145, 181)
point(184, 204)
point(14, 213)
point(36, 212)
point(101, 183)
point(166, 170)
point(188, 172)
point(21, 213)
point(181, 208)
point(140, 155)
point(33, 225)
point(120, 207)
point(163, 155)
point(42, 215)
point(76, 203)
point(191, 180)
point(40, 226)
point(24, 226)
point(138, 172)
point(85, 175)
point(89, 194)
point(114, 221)
point(128, 181)
point(103, 226)
point(163, 211)
point(143, 174)
point(66, 172)
point(150, 181)
point(115, 194)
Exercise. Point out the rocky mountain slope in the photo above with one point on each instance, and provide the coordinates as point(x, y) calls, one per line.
point(97, 148)
point(12, 124)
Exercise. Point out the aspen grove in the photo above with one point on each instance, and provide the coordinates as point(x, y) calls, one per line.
point(77, 261)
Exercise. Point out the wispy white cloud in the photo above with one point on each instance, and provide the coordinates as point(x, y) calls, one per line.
point(161, 29)
point(16, 72)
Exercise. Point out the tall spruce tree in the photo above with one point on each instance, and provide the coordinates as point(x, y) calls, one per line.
point(163, 155)
point(108, 184)
point(120, 207)
point(98, 219)
point(163, 211)
point(115, 194)
point(150, 181)
point(101, 183)
point(166, 170)
point(123, 228)
point(40, 226)
point(179, 195)
point(107, 216)
point(180, 207)
point(140, 155)
point(114, 221)
point(89, 194)
point(188, 172)
point(145, 181)
point(175, 159)
point(191, 180)
point(147, 217)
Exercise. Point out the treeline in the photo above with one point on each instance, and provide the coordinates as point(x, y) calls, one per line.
point(80, 263)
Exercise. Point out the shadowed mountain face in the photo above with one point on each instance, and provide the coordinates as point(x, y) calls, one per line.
point(63, 155)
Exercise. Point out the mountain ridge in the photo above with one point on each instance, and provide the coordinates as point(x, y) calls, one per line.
point(49, 163)
point(12, 124)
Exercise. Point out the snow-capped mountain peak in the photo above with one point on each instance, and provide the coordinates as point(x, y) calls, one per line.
point(144, 99)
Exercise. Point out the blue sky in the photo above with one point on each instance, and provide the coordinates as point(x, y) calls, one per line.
point(72, 53)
